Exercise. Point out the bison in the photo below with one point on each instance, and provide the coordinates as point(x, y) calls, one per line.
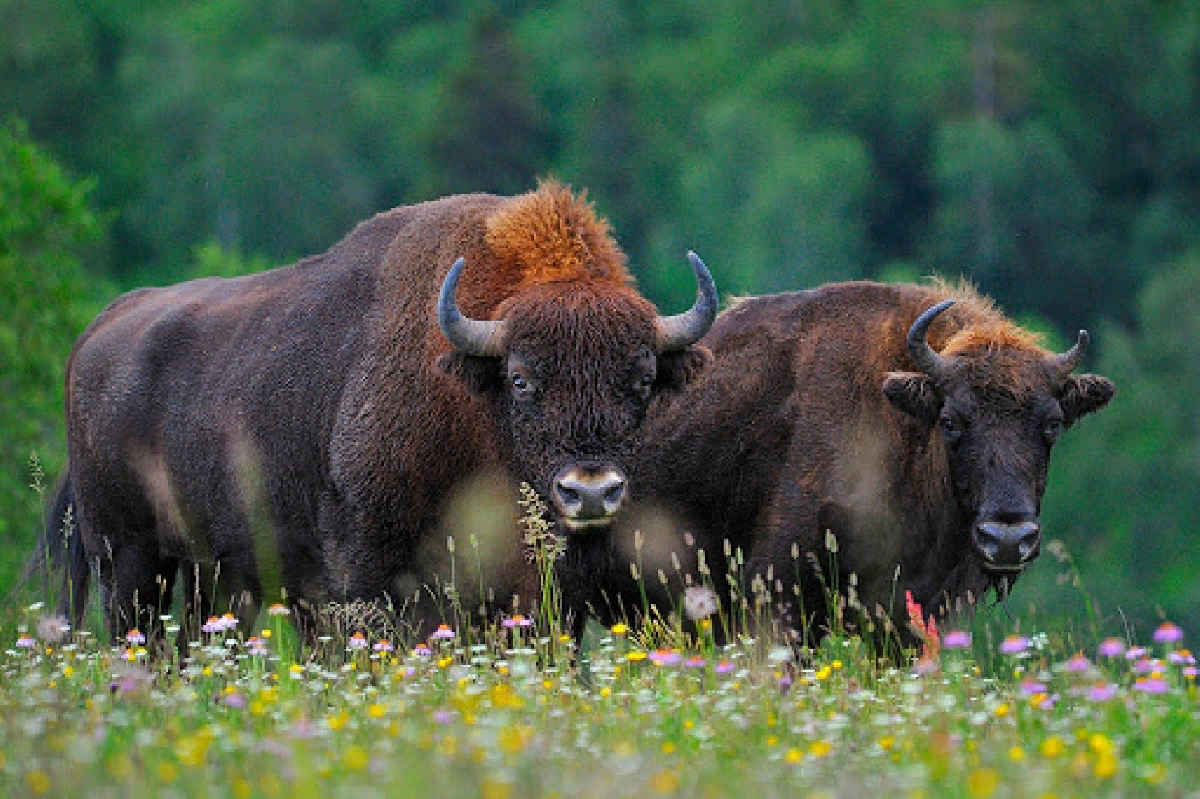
point(306, 428)
point(895, 436)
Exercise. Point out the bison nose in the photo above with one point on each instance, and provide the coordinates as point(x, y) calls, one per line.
point(588, 497)
point(1008, 546)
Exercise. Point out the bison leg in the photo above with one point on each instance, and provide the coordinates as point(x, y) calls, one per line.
point(137, 586)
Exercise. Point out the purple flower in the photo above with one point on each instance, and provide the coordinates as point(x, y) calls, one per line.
point(1190, 672)
point(1181, 657)
point(235, 700)
point(695, 662)
point(1102, 692)
point(135, 637)
point(1031, 687)
point(517, 621)
point(26, 641)
point(1135, 652)
point(443, 716)
point(1014, 645)
point(422, 651)
point(443, 632)
point(357, 641)
point(1167, 633)
point(257, 646)
point(383, 646)
point(1078, 664)
point(666, 657)
point(1111, 647)
point(956, 639)
point(1151, 685)
point(1144, 666)
point(724, 667)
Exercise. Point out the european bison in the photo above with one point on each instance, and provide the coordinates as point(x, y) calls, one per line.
point(308, 426)
point(912, 423)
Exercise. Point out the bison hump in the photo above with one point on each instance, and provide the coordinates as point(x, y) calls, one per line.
point(551, 235)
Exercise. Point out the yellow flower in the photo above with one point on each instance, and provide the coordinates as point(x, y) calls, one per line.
point(793, 755)
point(837, 665)
point(1053, 746)
point(1016, 754)
point(819, 748)
point(376, 711)
point(619, 629)
point(824, 673)
point(1001, 710)
point(772, 740)
point(38, 782)
point(668, 748)
point(241, 788)
point(665, 781)
point(982, 782)
point(514, 739)
point(357, 758)
point(605, 692)
point(634, 657)
point(1105, 766)
point(493, 789)
point(1099, 743)
point(167, 772)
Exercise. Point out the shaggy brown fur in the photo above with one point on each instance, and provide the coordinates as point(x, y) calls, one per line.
point(815, 418)
point(307, 428)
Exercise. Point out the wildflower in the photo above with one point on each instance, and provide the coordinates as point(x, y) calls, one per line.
point(422, 651)
point(1001, 710)
point(724, 667)
point(1016, 754)
point(383, 645)
point(235, 700)
point(516, 621)
point(256, 646)
point(982, 782)
point(665, 657)
point(927, 630)
point(53, 629)
point(1102, 692)
point(1167, 633)
point(357, 641)
point(1151, 685)
point(357, 758)
point(1112, 647)
point(619, 629)
point(38, 782)
point(26, 641)
point(635, 656)
point(1144, 666)
point(443, 716)
point(1135, 653)
point(1014, 645)
point(1190, 672)
point(793, 755)
point(1182, 657)
point(278, 609)
point(443, 632)
point(135, 637)
point(1078, 664)
point(213, 625)
point(695, 662)
point(956, 639)
point(699, 602)
point(820, 748)
point(1031, 687)
point(1053, 746)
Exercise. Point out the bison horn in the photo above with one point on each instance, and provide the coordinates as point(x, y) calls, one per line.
point(471, 336)
point(682, 330)
point(929, 361)
point(1067, 361)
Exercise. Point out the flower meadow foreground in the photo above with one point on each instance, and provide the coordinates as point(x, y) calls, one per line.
point(509, 711)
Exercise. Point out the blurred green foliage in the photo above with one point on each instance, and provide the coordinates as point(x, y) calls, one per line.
point(1047, 151)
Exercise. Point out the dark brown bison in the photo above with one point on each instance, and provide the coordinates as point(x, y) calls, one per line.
point(308, 427)
point(914, 424)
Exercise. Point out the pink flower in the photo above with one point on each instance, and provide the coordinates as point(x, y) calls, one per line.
point(422, 651)
point(1181, 657)
point(1078, 664)
point(1167, 633)
point(1151, 685)
point(957, 639)
point(1135, 653)
point(1032, 687)
point(724, 667)
point(257, 646)
point(443, 632)
point(235, 700)
point(517, 621)
point(695, 662)
point(383, 646)
point(1144, 666)
point(1111, 647)
point(135, 637)
point(1102, 692)
point(1014, 645)
point(26, 641)
point(357, 641)
point(665, 657)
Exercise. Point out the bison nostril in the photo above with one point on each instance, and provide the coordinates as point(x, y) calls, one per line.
point(568, 496)
point(1008, 546)
point(615, 494)
point(587, 497)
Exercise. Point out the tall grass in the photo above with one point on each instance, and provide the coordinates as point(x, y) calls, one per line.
point(500, 707)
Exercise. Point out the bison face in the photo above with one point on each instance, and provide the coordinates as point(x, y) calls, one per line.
point(569, 372)
point(998, 411)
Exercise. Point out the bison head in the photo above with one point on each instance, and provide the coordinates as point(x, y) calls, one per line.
point(999, 406)
point(570, 368)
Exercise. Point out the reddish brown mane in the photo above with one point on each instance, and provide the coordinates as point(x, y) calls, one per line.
point(984, 329)
point(550, 235)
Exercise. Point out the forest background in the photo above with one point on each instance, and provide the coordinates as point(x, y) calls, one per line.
point(1049, 152)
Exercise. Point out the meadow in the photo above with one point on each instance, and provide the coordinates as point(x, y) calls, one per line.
point(992, 705)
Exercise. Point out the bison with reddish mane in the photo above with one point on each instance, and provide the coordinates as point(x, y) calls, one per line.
point(912, 425)
point(307, 428)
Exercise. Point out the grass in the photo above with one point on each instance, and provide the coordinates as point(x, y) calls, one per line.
point(511, 709)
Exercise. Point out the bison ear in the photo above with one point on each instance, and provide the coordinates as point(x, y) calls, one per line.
point(914, 393)
point(480, 374)
point(677, 369)
point(1082, 394)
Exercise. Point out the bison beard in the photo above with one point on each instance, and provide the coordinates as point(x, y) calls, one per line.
point(314, 429)
point(912, 423)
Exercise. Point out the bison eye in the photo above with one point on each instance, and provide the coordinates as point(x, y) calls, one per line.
point(520, 384)
point(951, 428)
point(1051, 429)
